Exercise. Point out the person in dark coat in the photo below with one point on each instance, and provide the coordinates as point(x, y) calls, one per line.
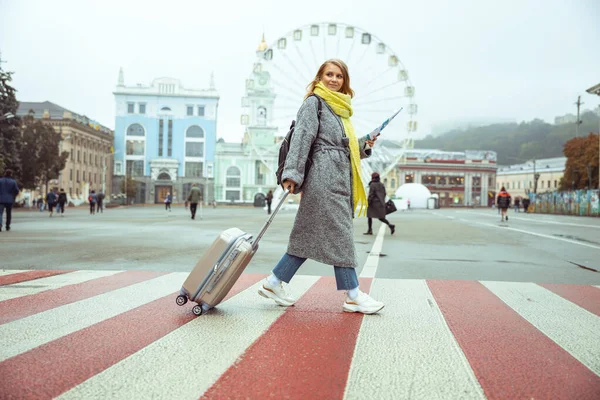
point(92, 199)
point(525, 204)
point(332, 190)
point(194, 197)
point(8, 192)
point(168, 201)
point(62, 202)
point(100, 202)
point(269, 201)
point(503, 201)
point(51, 199)
point(377, 204)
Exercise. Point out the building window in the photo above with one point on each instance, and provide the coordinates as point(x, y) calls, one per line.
point(96, 159)
point(135, 167)
point(190, 111)
point(135, 130)
point(70, 192)
point(84, 176)
point(130, 108)
point(193, 169)
point(170, 139)
point(519, 183)
point(194, 149)
point(135, 147)
point(70, 174)
point(118, 168)
point(548, 184)
point(393, 183)
point(542, 184)
point(72, 157)
point(160, 137)
point(259, 173)
point(201, 111)
point(428, 179)
point(409, 178)
point(232, 195)
point(194, 132)
point(78, 155)
point(233, 177)
point(77, 174)
point(142, 108)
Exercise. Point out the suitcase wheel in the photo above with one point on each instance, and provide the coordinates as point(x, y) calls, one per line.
point(197, 310)
point(181, 300)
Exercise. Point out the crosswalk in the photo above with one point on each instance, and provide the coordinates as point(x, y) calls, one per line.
point(119, 334)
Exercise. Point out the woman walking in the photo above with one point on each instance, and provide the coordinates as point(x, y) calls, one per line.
point(377, 204)
point(331, 191)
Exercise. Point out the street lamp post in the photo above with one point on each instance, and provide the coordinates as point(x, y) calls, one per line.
point(596, 90)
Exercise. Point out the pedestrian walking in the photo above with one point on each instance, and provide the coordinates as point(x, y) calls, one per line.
point(51, 199)
point(408, 204)
point(8, 193)
point(517, 204)
point(377, 204)
point(525, 204)
point(503, 201)
point(168, 202)
point(40, 203)
point(269, 201)
point(332, 191)
point(194, 197)
point(62, 202)
point(100, 202)
point(92, 198)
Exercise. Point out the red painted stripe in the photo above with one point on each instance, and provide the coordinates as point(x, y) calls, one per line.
point(303, 355)
point(25, 306)
point(587, 297)
point(510, 357)
point(53, 368)
point(29, 275)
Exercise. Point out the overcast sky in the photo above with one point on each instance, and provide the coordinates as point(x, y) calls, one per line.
point(509, 60)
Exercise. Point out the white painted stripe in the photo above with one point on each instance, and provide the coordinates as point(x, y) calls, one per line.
point(12, 271)
point(573, 328)
point(540, 221)
point(535, 234)
point(27, 333)
point(370, 267)
point(411, 338)
point(196, 354)
point(52, 282)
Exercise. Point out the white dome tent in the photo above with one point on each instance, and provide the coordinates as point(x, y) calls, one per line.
point(415, 192)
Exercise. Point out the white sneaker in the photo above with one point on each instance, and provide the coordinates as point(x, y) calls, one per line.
point(277, 293)
point(363, 303)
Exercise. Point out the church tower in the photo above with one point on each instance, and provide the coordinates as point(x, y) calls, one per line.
point(259, 99)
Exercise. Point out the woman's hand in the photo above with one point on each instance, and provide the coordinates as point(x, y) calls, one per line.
point(288, 183)
point(371, 143)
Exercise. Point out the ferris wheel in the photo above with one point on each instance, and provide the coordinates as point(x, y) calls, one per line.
point(379, 79)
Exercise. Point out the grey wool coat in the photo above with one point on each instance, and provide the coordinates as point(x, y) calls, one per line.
point(323, 229)
point(376, 200)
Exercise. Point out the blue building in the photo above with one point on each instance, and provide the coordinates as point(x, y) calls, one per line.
point(165, 138)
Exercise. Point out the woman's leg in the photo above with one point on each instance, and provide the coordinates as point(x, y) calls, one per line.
point(345, 278)
point(385, 221)
point(284, 271)
point(287, 267)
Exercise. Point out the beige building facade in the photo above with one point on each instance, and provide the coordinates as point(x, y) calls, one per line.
point(519, 179)
point(89, 144)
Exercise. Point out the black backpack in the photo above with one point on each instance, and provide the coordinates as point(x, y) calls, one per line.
point(284, 149)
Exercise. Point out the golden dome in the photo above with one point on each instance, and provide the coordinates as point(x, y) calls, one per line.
point(263, 45)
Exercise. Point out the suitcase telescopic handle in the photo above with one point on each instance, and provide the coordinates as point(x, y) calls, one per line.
point(266, 225)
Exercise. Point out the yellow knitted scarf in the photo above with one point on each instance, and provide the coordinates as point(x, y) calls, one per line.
point(340, 104)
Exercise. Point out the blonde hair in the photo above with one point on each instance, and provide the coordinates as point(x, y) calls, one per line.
point(346, 89)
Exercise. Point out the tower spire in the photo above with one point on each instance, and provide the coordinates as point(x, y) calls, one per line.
point(121, 78)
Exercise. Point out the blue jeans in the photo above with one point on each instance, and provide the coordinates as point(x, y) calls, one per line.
point(287, 267)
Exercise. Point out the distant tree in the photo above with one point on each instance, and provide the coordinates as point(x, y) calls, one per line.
point(512, 142)
point(581, 171)
point(9, 127)
point(40, 152)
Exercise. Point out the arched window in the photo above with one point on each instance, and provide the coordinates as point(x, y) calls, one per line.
point(194, 132)
point(164, 176)
point(135, 130)
point(233, 184)
point(165, 109)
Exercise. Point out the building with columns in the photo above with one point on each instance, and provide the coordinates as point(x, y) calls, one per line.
point(165, 137)
point(466, 178)
point(89, 144)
